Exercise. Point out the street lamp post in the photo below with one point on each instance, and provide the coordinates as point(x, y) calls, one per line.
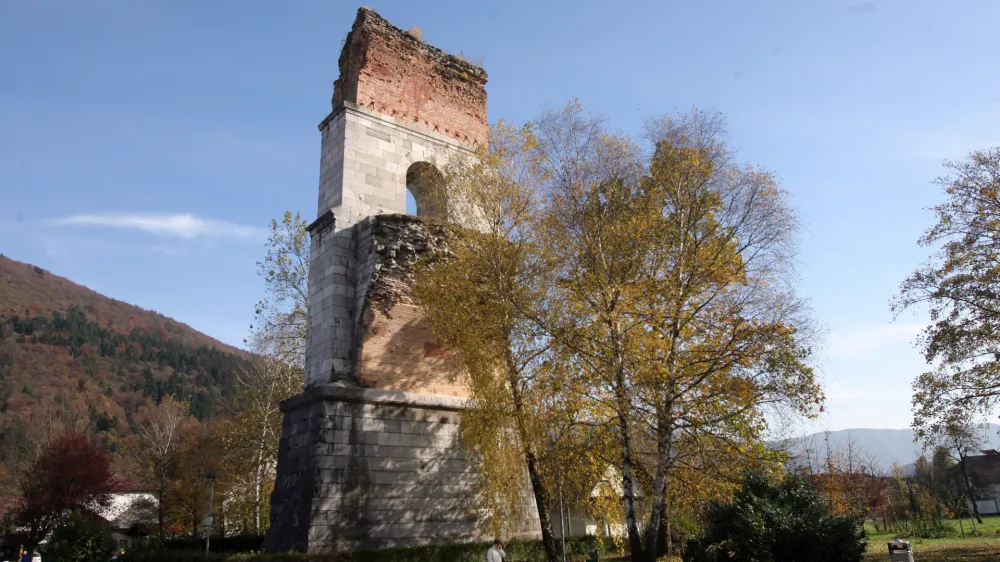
point(211, 497)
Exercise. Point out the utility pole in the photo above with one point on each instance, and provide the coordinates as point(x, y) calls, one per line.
point(211, 497)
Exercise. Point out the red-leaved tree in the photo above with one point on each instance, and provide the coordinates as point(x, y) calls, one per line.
point(71, 473)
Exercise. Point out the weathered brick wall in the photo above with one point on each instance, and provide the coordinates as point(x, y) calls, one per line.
point(366, 316)
point(390, 71)
point(396, 349)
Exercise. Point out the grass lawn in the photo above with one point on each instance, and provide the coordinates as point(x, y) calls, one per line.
point(977, 549)
point(972, 549)
point(983, 548)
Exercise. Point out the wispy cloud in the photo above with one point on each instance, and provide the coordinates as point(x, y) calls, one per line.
point(863, 340)
point(862, 7)
point(186, 226)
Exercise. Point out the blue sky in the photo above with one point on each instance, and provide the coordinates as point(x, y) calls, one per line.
point(146, 144)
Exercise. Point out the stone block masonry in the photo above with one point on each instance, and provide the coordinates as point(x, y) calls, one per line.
point(360, 176)
point(398, 102)
point(366, 468)
point(369, 455)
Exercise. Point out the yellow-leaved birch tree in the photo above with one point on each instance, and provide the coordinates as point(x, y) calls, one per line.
point(482, 302)
point(678, 307)
point(252, 432)
point(620, 312)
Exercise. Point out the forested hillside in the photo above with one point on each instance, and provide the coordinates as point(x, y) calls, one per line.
point(70, 357)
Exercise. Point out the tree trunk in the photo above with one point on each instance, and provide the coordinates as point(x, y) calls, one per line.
point(160, 492)
point(968, 488)
point(664, 441)
point(658, 491)
point(257, 481)
point(534, 474)
point(628, 491)
point(623, 407)
point(670, 539)
point(542, 502)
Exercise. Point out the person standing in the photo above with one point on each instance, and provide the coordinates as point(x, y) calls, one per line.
point(496, 553)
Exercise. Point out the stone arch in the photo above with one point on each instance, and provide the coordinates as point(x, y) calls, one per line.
point(426, 183)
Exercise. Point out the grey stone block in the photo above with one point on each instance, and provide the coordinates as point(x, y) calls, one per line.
point(360, 468)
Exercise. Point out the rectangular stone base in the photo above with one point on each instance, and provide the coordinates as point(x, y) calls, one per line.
point(361, 468)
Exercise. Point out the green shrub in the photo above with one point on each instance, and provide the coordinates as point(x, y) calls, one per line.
point(79, 539)
point(771, 521)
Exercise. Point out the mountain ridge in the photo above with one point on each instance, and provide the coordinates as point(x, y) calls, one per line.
point(44, 297)
point(71, 357)
point(887, 446)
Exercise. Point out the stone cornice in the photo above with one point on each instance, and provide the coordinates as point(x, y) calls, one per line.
point(347, 392)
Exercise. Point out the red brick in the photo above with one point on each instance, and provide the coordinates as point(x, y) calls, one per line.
point(392, 72)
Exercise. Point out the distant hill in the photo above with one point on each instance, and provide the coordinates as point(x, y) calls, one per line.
point(888, 446)
point(70, 354)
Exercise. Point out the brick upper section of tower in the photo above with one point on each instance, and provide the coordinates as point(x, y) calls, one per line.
point(388, 70)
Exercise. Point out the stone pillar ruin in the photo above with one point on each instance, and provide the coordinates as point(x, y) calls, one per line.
point(369, 454)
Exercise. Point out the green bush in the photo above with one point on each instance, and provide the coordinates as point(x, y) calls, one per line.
point(79, 539)
point(772, 521)
point(517, 551)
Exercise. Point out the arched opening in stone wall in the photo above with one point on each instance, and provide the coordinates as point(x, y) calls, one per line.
point(411, 203)
point(426, 185)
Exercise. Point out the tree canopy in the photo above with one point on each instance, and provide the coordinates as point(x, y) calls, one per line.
point(626, 309)
point(960, 287)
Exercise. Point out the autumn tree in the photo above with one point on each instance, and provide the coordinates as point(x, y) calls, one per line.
point(159, 435)
point(25, 435)
point(198, 451)
point(675, 286)
point(960, 287)
point(70, 473)
point(852, 482)
point(281, 315)
point(252, 433)
point(916, 506)
point(955, 439)
point(483, 303)
point(644, 300)
point(278, 340)
point(702, 472)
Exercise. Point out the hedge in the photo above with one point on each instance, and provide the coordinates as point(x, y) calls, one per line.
point(517, 551)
